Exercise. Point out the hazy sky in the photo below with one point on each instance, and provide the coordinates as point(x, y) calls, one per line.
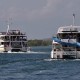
point(38, 18)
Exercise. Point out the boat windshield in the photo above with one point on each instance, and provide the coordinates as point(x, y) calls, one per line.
point(69, 35)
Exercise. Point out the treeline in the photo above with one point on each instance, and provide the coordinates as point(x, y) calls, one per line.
point(39, 42)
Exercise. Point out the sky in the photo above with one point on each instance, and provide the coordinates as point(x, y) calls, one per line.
point(38, 18)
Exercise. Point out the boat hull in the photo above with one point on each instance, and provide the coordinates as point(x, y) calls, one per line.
point(65, 54)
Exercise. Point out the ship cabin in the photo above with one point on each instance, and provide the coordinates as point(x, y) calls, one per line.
point(69, 34)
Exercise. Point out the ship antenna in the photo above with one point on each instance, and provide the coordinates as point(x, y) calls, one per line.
point(73, 18)
point(7, 28)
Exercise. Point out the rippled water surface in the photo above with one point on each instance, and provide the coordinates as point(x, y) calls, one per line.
point(37, 66)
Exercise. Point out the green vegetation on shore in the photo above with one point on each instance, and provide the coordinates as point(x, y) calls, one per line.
point(39, 42)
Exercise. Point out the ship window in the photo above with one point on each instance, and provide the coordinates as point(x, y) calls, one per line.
point(59, 35)
point(2, 38)
point(54, 49)
point(58, 56)
point(16, 44)
point(2, 43)
point(68, 35)
point(78, 36)
point(24, 44)
point(6, 37)
point(78, 49)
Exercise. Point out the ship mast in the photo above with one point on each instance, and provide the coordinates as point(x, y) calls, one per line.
point(8, 24)
point(73, 19)
point(7, 28)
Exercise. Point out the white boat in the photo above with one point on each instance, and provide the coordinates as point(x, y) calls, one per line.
point(66, 43)
point(13, 41)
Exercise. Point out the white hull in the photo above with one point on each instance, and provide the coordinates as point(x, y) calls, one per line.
point(65, 54)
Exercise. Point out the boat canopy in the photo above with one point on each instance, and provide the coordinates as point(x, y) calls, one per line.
point(68, 29)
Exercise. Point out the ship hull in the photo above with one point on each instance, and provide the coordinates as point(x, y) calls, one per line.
point(65, 54)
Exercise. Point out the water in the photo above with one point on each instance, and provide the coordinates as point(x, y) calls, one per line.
point(37, 66)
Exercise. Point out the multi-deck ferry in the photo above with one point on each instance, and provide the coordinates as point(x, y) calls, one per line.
point(13, 41)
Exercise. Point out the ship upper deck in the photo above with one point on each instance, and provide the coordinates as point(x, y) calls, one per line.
point(12, 33)
point(69, 29)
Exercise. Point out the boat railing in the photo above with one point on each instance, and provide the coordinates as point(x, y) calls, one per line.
point(14, 33)
point(13, 39)
point(69, 40)
point(69, 53)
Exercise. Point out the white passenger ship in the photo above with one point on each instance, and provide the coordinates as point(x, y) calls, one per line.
point(13, 41)
point(66, 44)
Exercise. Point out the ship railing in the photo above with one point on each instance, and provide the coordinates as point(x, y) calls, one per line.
point(16, 46)
point(16, 33)
point(69, 53)
point(14, 40)
point(69, 40)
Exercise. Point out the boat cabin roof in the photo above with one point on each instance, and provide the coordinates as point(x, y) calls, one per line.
point(12, 32)
point(69, 29)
